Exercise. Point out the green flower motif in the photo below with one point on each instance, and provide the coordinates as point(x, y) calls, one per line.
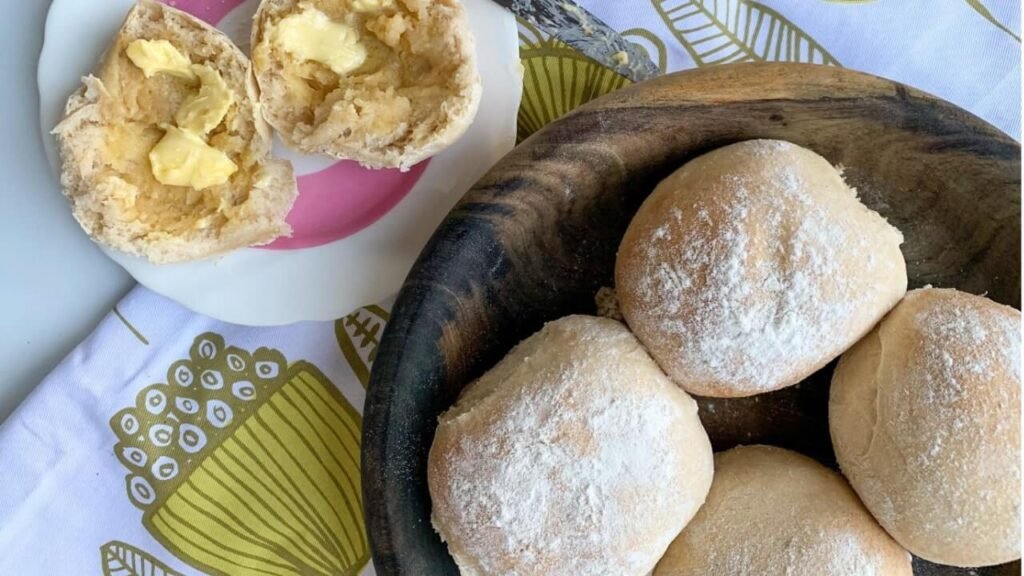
point(725, 31)
point(120, 559)
point(358, 336)
point(245, 464)
point(557, 79)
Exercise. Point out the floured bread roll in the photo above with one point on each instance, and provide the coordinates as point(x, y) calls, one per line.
point(753, 266)
point(772, 512)
point(164, 153)
point(385, 82)
point(574, 455)
point(925, 421)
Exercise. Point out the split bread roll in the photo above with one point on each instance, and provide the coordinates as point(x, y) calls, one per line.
point(925, 421)
point(753, 266)
point(573, 455)
point(164, 153)
point(773, 511)
point(387, 83)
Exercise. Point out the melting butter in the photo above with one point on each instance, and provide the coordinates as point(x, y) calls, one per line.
point(181, 158)
point(311, 35)
point(159, 57)
point(203, 111)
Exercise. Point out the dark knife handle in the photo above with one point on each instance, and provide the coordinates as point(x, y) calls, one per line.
point(565, 20)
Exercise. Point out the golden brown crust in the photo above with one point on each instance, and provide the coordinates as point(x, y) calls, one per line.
point(924, 414)
point(415, 95)
point(574, 454)
point(113, 121)
point(773, 511)
point(753, 266)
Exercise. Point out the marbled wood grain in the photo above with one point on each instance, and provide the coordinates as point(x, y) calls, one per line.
point(537, 236)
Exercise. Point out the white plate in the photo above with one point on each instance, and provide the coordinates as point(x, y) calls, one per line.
point(258, 286)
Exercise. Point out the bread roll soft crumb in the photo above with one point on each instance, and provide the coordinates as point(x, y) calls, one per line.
point(112, 123)
point(415, 92)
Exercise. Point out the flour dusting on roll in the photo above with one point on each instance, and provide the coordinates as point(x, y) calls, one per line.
point(925, 420)
point(775, 512)
point(753, 266)
point(574, 455)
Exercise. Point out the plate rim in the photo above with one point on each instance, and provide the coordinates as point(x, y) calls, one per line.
point(373, 243)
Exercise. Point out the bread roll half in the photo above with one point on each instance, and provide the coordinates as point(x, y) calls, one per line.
point(164, 152)
point(387, 83)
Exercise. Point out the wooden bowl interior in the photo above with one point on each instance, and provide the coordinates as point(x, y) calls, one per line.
point(536, 238)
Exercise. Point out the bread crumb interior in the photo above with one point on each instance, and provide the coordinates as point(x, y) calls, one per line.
point(397, 96)
point(134, 109)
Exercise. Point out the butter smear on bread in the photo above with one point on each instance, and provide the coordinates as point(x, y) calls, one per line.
point(182, 157)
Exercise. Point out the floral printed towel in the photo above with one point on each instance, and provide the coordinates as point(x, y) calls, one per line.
point(168, 443)
point(965, 51)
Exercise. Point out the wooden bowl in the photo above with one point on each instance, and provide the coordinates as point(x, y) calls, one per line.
point(536, 238)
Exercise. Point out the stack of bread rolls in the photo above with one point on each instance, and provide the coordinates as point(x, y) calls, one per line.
point(745, 271)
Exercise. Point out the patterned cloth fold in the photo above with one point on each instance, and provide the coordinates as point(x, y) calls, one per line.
point(169, 443)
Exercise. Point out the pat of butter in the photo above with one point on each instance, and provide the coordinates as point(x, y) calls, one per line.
point(204, 110)
point(311, 35)
point(184, 159)
point(371, 5)
point(159, 56)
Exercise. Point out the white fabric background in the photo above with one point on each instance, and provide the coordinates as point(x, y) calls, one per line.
point(943, 47)
point(62, 490)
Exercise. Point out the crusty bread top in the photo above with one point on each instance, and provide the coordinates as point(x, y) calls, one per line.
point(753, 266)
point(924, 415)
point(573, 455)
point(417, 92)
point(773, 512)
point(115, 119)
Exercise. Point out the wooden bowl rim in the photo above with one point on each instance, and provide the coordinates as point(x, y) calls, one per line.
point(411, 338)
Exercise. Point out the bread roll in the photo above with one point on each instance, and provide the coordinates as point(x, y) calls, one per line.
point(925, 420)
point(773, 512)
point(171, 84)
point(753, 266)
point(574, 455)
point(385, 82)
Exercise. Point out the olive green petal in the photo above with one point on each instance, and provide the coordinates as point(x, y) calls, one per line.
point(120, 559)
point(651, 44)
point(987, 15)
point(131, 328)
point(358, 336)
point(727, 31)
point(557, 79)
point(281, 495)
